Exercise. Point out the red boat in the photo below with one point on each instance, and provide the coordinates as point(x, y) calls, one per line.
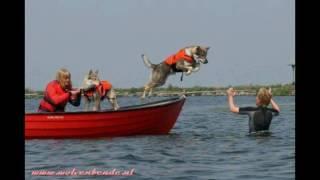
point(153, 118)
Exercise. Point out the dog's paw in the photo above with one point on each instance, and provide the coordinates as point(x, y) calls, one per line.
point(188, 73)
point(196, 69)
point(116, 107)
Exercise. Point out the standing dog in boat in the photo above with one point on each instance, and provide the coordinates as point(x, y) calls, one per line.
point(102, 89)
point(186, 60)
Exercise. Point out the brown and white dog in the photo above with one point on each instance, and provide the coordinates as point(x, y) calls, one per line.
point(102, 89)
point(186, 60)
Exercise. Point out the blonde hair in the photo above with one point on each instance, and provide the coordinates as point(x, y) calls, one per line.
point(264, 96)
point(61, 75)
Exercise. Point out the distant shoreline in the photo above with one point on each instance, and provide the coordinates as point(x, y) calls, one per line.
point(242, 90)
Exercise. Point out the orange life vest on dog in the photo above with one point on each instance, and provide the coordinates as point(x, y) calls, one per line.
point(181, 54)
point(103, 87)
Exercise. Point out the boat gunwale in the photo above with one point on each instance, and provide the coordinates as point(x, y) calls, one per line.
point(154, 104)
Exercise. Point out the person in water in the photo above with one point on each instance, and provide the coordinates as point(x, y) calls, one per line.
point(59, 92)
point(260, 116)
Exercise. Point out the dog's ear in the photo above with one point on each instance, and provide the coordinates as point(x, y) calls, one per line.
point(97, 71)
point(90, 71)
point(196, 49)
point(207, 48)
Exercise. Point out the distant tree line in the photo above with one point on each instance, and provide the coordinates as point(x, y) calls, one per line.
point(277, 89)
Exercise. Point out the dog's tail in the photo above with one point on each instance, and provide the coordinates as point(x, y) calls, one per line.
point(147, 62)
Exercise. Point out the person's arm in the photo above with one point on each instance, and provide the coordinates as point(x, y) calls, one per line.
point(232, 106)
point(274, 105)
point(53, 97)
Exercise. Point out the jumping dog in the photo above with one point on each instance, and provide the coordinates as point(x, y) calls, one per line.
point(186, 60)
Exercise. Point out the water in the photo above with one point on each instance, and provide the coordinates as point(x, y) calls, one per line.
point(207, 142)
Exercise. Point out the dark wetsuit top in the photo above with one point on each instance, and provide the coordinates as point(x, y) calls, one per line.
point(259, 117)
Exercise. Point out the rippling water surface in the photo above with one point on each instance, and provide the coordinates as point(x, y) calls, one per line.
point(207, 142)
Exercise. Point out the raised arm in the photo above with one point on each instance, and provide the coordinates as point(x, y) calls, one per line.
point(274, 105)
point(230, 93)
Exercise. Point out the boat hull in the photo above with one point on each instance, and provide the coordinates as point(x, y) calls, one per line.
point(153, 119)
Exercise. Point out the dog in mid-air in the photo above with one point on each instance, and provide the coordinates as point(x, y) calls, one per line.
point(101, 89)
point(186, 60)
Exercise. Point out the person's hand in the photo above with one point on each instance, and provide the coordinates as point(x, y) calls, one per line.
point(89, 87)
point(75, 91)
point(231, 92)
point(269, 90)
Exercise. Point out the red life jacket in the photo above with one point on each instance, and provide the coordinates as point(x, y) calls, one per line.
point(55, 98)
point(181, 54)
point(103, 87)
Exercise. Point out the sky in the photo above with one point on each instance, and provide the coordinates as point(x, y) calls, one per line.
point(251, 41)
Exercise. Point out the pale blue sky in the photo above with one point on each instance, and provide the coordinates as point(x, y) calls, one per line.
point(252, 41)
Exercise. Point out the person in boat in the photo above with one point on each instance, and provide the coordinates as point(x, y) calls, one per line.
point(59, 92)
point(260, 116)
